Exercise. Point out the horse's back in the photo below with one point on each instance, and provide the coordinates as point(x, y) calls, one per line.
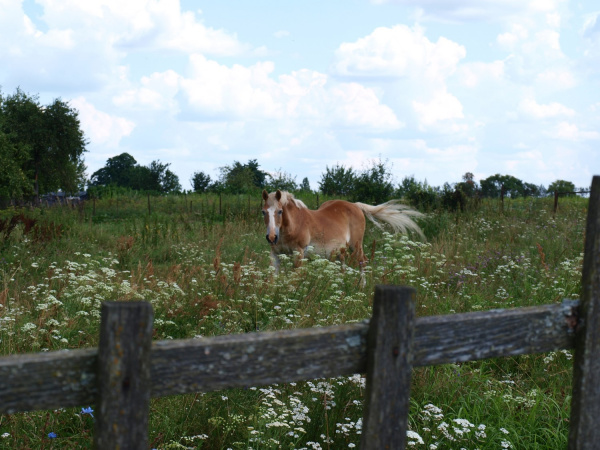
point(337, 204)
point(339, 210)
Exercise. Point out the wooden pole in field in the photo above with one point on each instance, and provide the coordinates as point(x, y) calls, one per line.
point(124, 375)
point(389, 368)
point(584, 432)
point(555, 201)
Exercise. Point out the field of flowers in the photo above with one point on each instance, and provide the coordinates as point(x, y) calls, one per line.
point(212, 277)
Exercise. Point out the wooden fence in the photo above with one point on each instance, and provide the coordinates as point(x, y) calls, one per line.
point(557, 194)
point(128, 369)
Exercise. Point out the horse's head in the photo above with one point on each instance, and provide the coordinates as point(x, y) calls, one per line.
point(273, 215)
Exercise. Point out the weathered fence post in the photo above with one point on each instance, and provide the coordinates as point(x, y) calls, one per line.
point(124, 376)
point(389, 367)
point(555, 201)
point(584, 431)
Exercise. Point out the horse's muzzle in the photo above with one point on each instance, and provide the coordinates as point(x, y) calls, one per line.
point(274, 241)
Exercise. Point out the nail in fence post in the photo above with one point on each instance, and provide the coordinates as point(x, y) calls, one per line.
point(124, 375)
point(389, 367)
point(584, 431)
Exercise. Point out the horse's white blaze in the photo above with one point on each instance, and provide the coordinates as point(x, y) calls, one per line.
point(271, 228)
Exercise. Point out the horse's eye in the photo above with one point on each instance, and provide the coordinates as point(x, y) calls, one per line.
point(280, 212)
point(264, 212)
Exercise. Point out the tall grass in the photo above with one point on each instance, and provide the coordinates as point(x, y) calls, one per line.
point(208, 274)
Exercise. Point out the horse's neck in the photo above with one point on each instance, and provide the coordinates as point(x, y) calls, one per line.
point(294, 218)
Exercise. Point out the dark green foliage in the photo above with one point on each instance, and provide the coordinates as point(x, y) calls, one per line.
point(421, 195)
point(492, 186)
point(43, 144)
point(123, 171)
point(453, 198)
point(305, 185)
point(241, 178)
point(561, 186)
point(13, 179)
point(116, 171)
point(200, 181)
point(162, 178)
point(337, 181)
point(374, 184)
point(468, 187)
point(283, 181)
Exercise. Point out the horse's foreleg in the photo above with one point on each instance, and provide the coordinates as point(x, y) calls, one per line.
point(362, 261)
point(299, 257)
point(275, 261)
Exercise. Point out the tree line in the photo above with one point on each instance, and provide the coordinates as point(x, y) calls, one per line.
point(42, 148)
point(375, 184)
point(123, 171)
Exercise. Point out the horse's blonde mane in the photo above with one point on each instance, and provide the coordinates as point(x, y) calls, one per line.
point(287, 197)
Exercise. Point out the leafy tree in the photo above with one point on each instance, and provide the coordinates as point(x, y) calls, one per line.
point(468, 186)
point(53, 138)
point(237, 179)
point(531, 190)
point(281, 180)
point(492, 186)
point(217, 187)
point(453, 199)
point(259, 176)
point(374, 184)
point(420, 195)
point(241, 178)
point(338, 180)
point(163, 179)
point(200, 181)
point(117, 171)
point(65, 143)
point(13, 180)
point(305, 185)
point(561, 186)
point(123, 170)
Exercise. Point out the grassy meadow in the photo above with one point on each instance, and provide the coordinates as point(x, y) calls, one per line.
point(205, 269)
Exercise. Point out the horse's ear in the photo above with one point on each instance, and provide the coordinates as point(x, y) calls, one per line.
point(278, 195)
point(265, 195)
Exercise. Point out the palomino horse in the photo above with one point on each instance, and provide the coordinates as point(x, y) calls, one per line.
point(336, 225)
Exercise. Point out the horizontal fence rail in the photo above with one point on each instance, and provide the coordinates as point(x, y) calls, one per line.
point(68, 378)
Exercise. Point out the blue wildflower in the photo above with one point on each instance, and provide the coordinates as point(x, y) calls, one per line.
point(87, 410)
point(52, 435)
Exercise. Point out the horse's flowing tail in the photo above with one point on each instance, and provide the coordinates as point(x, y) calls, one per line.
point(397, 215)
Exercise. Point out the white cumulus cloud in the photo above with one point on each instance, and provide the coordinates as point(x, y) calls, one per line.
point(398, 52)
point(442, 106)
point(220, 92)
point(571, 132)
point(101, 128)
point(533, 109)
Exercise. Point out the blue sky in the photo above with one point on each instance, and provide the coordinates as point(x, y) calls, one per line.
point(435, 87)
